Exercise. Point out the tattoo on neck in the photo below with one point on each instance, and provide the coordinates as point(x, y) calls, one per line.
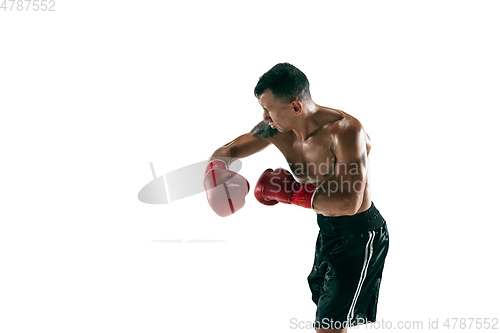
point(263, 131)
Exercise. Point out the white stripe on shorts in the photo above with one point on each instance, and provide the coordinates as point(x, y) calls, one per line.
point(366, 262)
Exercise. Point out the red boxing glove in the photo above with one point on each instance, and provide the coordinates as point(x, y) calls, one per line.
point(226, 190)
point(280, 186)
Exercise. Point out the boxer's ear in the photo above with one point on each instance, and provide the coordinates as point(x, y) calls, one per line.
point(297, 107)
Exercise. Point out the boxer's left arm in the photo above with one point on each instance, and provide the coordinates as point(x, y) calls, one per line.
point(342, 194)
point(247, 144)
point(230, 197)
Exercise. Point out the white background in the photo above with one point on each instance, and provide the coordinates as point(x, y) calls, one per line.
point(91, 93)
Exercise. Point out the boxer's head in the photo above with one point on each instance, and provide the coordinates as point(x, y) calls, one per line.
point(282, 92)
point(286, 82)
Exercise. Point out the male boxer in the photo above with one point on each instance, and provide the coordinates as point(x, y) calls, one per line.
point(328, 154)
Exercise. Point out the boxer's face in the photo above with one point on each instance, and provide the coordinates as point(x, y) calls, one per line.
point(277, 114)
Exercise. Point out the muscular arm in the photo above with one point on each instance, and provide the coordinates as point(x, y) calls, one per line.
point(247, 144)
point(343, 193)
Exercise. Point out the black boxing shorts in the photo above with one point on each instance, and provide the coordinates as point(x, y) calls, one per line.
point(348, 264)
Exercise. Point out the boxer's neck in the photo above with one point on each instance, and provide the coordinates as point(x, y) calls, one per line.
point(306, 124)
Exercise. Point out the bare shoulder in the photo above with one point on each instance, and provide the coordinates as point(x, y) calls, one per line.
point(348, 138)
point(338, 122)
point(347, 125)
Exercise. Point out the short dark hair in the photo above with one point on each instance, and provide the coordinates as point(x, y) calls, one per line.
point(286, 82)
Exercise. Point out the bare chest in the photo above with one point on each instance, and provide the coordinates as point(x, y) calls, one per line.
point(311, 161)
